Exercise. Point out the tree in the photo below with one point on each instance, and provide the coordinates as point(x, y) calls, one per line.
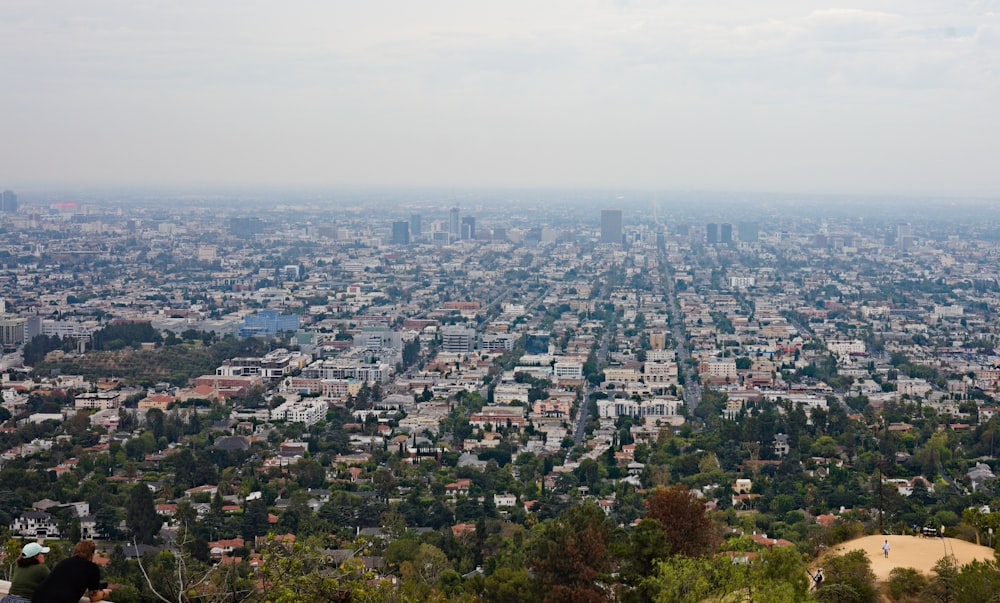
point(11, 551)
point(848, 578)
point(907, 582)
point(428, 565)
point(943, 586)
point(384, 482)
point(176, 576)
point(687, 580)
point(74, 530)
point(141, 516)
point(977, 581)
point(570, 555)
point(647, 545)
point(411, 352)
point(778, 576)
point(302, 572)
point(686, 525)
point(254, 519)
point(309, 473)
point(118, 563)
point(510, 584)
point(106, 520)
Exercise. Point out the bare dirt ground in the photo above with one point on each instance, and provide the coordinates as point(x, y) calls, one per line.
point(909, 551)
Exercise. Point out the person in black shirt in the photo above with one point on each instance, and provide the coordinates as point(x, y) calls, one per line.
point(73, 577)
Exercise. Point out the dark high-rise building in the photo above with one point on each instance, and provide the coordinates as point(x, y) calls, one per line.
point(415, 226)
point(904, 237)
point(611, 226)
point(749, 232)
point(711, 234)
point(400, 233)
point(245, 227)
point(468, 228)
point(726, 234)
point(537, 342)
point(499, 234)
point(454, 224)
point(8, 202)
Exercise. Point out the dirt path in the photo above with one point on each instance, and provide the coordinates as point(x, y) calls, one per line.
point(909, 551)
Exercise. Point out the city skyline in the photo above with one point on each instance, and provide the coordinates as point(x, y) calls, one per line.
point(885, 98)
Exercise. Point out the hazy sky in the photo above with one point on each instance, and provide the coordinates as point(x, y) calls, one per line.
point(873, 96)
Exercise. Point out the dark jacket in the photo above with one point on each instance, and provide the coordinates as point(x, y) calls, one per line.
point(69, 581)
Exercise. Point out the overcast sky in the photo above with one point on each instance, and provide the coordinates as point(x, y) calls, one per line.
point(873, 96)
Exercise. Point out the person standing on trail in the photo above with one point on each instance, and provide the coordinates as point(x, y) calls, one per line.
point(885, 548)
point(818, 579)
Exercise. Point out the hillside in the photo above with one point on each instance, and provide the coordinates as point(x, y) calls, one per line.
point(908, 551)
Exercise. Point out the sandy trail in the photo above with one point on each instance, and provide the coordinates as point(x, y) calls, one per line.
point(909, 551)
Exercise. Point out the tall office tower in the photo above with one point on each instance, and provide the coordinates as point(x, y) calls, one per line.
point(711, 234)
point(245, 227)
point(726, 234)
point(400, 233)
point(8, 202)
point(12, 330)
point(415, 226)
point(611, 226)
point(749, 232)
point(454, 225)
point(458, 339)
point(468, 228)
point(904, 237)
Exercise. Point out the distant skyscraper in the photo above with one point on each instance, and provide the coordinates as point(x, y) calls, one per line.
point(611, 226)
point(8, 202)
point(726, 234)
point(245, 227)
point(711, 234)
point(454, 224)
point(468, 228)
point(400, 233)
point(904, 237)
point(749, 232)
point(415, 226)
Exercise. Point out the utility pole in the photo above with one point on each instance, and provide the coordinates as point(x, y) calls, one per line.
point(881, 501)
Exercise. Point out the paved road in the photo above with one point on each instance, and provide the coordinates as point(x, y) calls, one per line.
point(692, 390)
point(583, 413)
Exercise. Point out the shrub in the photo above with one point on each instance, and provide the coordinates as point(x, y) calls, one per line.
point(905, 582)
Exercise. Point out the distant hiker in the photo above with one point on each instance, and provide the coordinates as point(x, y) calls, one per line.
point(818, 579)
point(885, 548)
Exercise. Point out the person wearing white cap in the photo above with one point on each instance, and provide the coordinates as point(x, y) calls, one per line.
point(29, 572)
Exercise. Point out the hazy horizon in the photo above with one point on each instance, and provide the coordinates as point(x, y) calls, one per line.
point(881, 98)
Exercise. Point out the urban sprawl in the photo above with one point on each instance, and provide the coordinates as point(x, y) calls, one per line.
point(427, 388)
